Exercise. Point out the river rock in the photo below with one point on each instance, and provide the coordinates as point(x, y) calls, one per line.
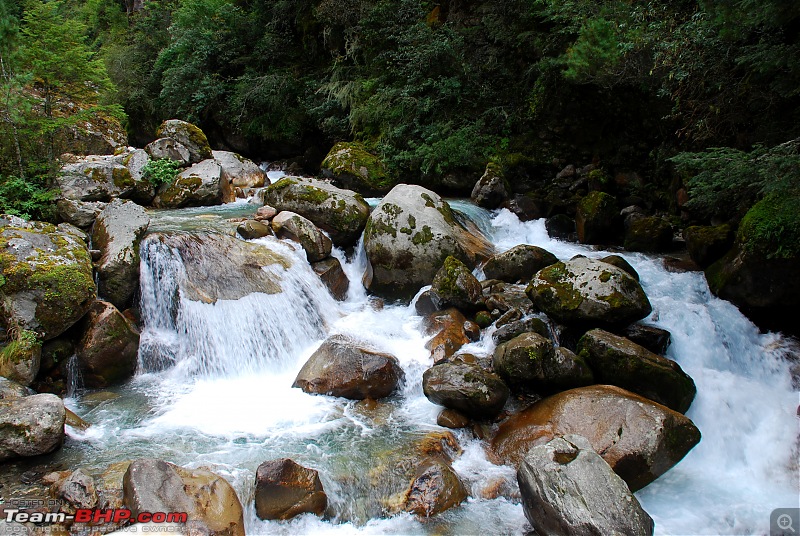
point(11, 389)
point(465, 387)
point(95, 178)
point(455, 286)
point(344, 367)
point(492, 189)
point(79, 213)
point(706, 245)
point(560, 226)
point(586, 291)
point(285, 489)
point(295, 227)
point(200, 185)
point(31, 425)
point(330, 272)
point(188, 135)
point(622, 264)
point(352, 167)
point(450, 418)
point(650, 234)
point(568, 489)
point(341, 213)
point(408, 237)
point(617, 361)
point(240, 171)
point(151, 485)
point(654, 339)
point(434, 489)
point(117, 233)
point(107, 351)
point(638, 438)
point(78, 490)
point(167, 148)
point(519, 263)
point(597, 219)
point(265, 213)
point(250, 229)
point(143, 190)
point(530, 362)
point(450, 335)
point(47, 276)
point(518, 327)
point(20, 359)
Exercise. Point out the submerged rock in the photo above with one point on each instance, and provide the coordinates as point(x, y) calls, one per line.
point(107, 351)
point(465, 387)
point(519, 263)
point(568, 489)
point(31, 425)
point(285, 489)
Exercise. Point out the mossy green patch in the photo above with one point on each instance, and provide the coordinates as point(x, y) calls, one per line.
point(422, 237)
point(771, 228)
point(121, 177)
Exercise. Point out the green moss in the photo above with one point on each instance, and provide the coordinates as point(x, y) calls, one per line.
point(605, 276)
point(122, 177)
point(422, 237)
point(353, 160)
point(310, 194)
point(391, 209)
point(595, 202)
point(771, 228)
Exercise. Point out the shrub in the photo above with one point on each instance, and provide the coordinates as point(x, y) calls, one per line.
point(27, 198)
point(161, 171)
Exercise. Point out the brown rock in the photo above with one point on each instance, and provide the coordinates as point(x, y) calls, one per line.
point(434, 489)
point(107, 352)
point(330, 272)
point(450, 334)
point(450, 418)
point(285, 489)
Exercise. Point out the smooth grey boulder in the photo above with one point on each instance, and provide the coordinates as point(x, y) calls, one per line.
point(295, 227)
point(240, 171)
point(568, 489)
point(31, 425)
point(465, 387)
point(167, 148)
point(200, 185)
point(519, 263)
point(117, 233)
point(79, 213)
point(188, 135)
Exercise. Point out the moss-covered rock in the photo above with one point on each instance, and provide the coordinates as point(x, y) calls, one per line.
point(622, 264)
point(188, 135)
point(586, 291)
point(96, 178)
point(46, 280)
point(170, 149)
point(200, 185)
point(518, 264)
point(295, 227)
point(455, 286)
point(707, 244)
point(492, 189)
point(597, 219)
point(649, 234)
point(107, 351)
point(352, 167)
point(617, 361)
point(525, 325)
point(20, 359)
point(465, 387)
point(341, 213)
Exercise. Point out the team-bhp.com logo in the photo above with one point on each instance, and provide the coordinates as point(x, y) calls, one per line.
point(95, 515)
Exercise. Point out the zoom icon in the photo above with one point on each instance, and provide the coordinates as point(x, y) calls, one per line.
point(784, 522)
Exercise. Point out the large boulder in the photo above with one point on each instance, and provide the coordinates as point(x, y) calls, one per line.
point(240, 171)
point(586, 291)
point(143, 190)
point(638, 438)
point(597, 219)
point(344, 367)
point(650, 234)
point(708, 244)
point(210, 502)
point(200, 185)
point(285, 489)
point(117, 234)
point(519, 263)
point(455, 286)
point(31, 425)
point(295, 227)
point(352, 167)
point(408, 237)
point(341, 213)
point(568, 489)
point(491, 190)
point(188, 135)
point(530, 362)
point(107, 351)
point(167, 148)
point(20, 359)
point(617, 361)
point(465, 387)
point(434, 488)
point(95, 178)
point(46, 283)
point(79, 213)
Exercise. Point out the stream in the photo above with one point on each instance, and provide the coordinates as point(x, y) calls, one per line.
point(214, 390)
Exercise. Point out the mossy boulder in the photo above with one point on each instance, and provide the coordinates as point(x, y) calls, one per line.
point(117, 233)
point(81, 214)
point(143, 190)
point(408, 237)
point(518, 264)
point(96, 178)
point(649, 234)
point(587, 291)
point(492, 189)
point(200, 185)
point(351, 166)
point(295, 227)
point(525, 325)
point(465, 387)
point(529, 362)
point(341, 213)
point(455, 286)
point(622, 264)
point(707, 244)
point(107, 352)
point(31, 425)
point(617, 361)
point(46, 282)
point(597, 219)
point(20, 359)
point(188, 135)
point(240, 171)
point(170, 149)
point(638, 438)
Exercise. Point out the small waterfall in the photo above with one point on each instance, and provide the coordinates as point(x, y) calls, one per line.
point(209, 310)
point(74, 377)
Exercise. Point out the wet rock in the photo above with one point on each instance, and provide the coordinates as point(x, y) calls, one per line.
point(567, 489)
point(618, 361)
point(638, 438)
point(330, 272)
point(530, 362)
point(525, 208)
point(285, 489)
point(560, 226)
point(107, 351)
point(265, 213)
point(200, 185)
point(79, 213)
point(167, 148)
point(11, 389)
point(344, 367)
point(188, 135)
point(352, 167)
point(95, 178)
point(340, 213)
point(706, 245)
point(47, 275)
point(455, 286)
point(650, 234)
point(588, 291)
point(465, 387)
point(239, 171)
point(424, 305)
point(250, 229)
point(434, 489)
point(491, 190)
point(654, 339)
point(78, 490)
point(31, 425)
point(408, 237)
point(117, 233)
point(450, 418)
point(483, 319)
point(519, 263)
point(597, 219)
point(295, 227)
point(622, 264)
point(450, 335)
point(20, 359)
point(518, 327)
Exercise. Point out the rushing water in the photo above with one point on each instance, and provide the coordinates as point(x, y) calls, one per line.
point(214, 389)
